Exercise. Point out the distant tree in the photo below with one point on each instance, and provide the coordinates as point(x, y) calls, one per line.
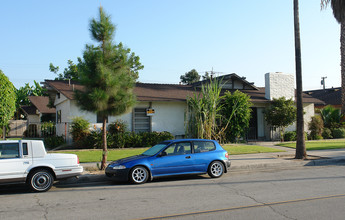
point(23, 93)
point(71, 72)
point(280, 114)
point(206, 76)
point(108, 73)
point(236, 107)
point(7, 101)
point(190, 77)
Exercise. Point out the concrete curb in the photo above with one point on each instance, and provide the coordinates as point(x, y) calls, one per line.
point(99, 176)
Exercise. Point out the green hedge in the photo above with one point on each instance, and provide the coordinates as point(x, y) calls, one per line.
point(123, 140)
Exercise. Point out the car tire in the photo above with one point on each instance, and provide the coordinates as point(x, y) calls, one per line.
point(139, 175)
point(40, 180)
point(216, 169)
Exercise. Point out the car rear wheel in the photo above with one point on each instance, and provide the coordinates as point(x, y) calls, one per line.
point(216, 169)
point(40, 180)
point(139, 174)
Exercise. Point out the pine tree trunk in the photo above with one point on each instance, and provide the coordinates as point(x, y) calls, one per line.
point(300, 144)
point(104, 142)
point(342, 64)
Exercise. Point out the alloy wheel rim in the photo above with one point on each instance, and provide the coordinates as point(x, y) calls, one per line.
point(216, 169)
point(139, 175)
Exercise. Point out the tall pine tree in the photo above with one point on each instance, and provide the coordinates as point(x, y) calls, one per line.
point(108, 72)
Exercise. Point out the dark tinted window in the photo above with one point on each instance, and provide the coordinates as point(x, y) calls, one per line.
point(25, 149)
point(9, 150)
point(203, 146)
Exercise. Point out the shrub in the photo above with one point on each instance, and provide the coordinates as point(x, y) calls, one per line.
point(117, 127)
point(327, 133)
point(53, 142)
point(338, 133)
point(79, 131)
point(316, 127)
point(47, 129)
point(290, 136)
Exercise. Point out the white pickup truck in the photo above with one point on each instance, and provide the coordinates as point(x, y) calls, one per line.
point(27, 161)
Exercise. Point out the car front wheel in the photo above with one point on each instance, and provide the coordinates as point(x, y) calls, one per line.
point(40, 180)
point(216, 169)
point(139, 174)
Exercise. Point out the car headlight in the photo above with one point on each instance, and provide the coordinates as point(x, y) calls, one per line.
point(119, 167)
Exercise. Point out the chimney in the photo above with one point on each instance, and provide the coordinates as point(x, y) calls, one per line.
point(279, 85)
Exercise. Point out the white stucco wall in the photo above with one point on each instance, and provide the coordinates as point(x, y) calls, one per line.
point(169, 116)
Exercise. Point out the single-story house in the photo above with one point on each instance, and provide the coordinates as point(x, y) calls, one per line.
point(39, 111)
point(162, 107)
point(331, 96)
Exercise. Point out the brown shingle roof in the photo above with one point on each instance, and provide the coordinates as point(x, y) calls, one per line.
point(328, 96)
point(41, 103)
point(166, 92)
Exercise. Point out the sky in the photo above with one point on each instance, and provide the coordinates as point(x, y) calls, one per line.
point(171, 37)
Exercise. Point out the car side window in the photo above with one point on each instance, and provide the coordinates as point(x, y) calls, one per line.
point(9, 150)
point(204, 146)
point(25, 149)
point(178, 149)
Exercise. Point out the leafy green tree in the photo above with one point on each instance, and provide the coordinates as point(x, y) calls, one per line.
point(7, 101)
point(237, 108)
point(109, 73)
point(280, 114)
point(71, 72)
point(190, 77)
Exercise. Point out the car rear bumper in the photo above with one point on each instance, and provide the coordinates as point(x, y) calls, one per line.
point(227, 164)
point(117, 174)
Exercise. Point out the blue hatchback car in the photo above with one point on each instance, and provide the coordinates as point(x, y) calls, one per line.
point(174, 157)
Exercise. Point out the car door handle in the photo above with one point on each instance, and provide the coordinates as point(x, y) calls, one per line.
point(188, 157)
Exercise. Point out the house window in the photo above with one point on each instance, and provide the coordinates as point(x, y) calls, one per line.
point(58, 116)
point(100, 118)
point(58, 95)
point(141, 122)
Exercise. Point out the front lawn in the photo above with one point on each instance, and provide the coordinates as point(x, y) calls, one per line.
point(318, 145)
point(234, 149)
point(86, 156)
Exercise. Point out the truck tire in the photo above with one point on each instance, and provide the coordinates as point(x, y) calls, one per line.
point(40, 180)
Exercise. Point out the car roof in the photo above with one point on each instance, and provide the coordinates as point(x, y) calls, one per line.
point(179, 140)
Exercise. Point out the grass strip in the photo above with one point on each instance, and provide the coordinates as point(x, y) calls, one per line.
point(87, 156)
point(318, 145)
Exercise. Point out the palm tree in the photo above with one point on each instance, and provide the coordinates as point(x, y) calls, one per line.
point(300, 144)
point(338, 7)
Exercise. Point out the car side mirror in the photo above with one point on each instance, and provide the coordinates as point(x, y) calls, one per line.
point(162, 154)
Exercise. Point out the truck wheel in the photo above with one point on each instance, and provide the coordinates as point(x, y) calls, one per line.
point(40, 180)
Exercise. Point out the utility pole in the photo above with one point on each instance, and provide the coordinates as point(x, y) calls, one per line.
point(323, 82)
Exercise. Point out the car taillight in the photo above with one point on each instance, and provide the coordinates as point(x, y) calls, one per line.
point(226, 155)
point(77, 160)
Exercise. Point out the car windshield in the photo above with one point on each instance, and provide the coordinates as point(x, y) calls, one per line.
point(155, 149)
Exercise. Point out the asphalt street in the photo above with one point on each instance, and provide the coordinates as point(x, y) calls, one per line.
point(309, 192)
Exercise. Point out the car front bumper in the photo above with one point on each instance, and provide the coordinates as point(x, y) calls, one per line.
point(117, 174)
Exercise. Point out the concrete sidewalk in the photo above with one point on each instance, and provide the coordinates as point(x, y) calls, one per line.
point(250, 162)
